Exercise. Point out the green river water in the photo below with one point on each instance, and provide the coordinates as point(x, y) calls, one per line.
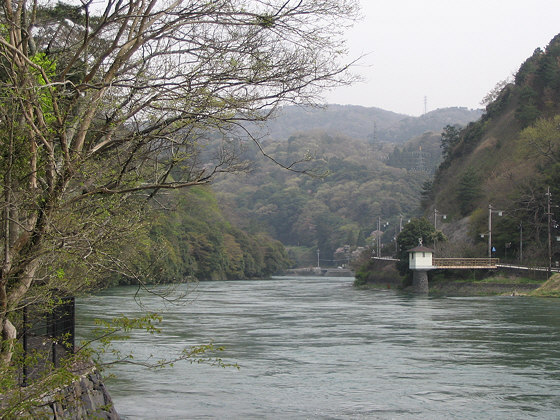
point(317, 348)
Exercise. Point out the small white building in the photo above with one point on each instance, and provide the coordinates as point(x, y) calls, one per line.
point(420, 258)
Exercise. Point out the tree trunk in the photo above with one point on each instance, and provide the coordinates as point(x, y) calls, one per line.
point(9, 334)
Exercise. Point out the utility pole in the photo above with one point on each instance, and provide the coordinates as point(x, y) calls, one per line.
point(379, 237)
point(521, 242)
point(549, 214)
point(436, 212)
point(489, 230)
point(490, 211)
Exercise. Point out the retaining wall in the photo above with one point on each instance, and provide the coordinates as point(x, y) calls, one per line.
point(86, 398)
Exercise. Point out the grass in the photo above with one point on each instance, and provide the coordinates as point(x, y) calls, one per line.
point(508, 280)
point(551, 288)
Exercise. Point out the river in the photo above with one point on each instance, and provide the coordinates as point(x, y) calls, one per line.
point(317, 348)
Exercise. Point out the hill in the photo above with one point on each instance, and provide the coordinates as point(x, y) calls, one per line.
point(364, 187)
point(509, 159)
point(372, 124)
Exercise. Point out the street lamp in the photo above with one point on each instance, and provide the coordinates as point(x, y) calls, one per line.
point(380, 234)
point(490, 211)
point(521, 242)
point(549, 214)
point(443, 216)
point(436, 212)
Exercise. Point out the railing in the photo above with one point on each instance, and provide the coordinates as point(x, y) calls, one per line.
point(48, 334)
point(465, 262)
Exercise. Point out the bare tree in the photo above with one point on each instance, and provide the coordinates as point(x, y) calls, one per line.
point(102, 103)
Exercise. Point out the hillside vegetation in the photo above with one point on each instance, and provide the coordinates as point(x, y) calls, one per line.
point(361, 181)
point(509, 159)
point(189, 238)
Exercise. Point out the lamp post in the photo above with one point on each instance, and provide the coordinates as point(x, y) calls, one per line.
point(380, 234)
point(443, 216)
point(490, 211)
point(549, 214)
point(436, 212)
point(378, 237)
point(521, 242)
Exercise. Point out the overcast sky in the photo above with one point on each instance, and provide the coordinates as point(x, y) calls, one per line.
point(451, 52)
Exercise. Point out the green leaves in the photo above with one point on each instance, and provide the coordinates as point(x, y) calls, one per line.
point(469, 191)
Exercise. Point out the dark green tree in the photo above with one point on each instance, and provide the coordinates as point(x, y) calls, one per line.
point(468, 191)
point(450, 137)
point(427, 194)
point(527, 112)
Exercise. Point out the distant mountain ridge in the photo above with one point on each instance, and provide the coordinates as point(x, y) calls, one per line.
point(372, 124)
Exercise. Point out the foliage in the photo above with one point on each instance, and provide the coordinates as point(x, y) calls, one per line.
point(449, 139)
point(542, 139)
point(468, 191)
point(496, 92)
point(419, 229)
point(509, 158)
point(527, 112)
point(191, 239)
point(427, 194)
point(325, 213)
point(99, 351)
point(103, 106)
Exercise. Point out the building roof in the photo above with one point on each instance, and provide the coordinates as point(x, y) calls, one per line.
point(421, 248)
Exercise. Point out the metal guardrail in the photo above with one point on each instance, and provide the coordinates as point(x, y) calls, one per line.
point(465, 262)
point(529, 268)
point(50, 334)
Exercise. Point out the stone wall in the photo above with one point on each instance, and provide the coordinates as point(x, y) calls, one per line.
point(86, 398)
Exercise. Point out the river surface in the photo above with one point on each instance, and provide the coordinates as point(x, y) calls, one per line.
point(317, 348)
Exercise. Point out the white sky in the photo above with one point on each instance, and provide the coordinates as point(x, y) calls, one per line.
point(453, 52)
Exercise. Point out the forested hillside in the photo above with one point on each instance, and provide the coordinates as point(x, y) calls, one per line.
point(354, 184)
point(189, 238)
point(359, 183)
point(509, 159)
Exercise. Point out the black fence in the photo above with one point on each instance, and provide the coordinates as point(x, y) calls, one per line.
point(47, 337)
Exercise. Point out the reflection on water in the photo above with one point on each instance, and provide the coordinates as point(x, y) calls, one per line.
point(318, 348)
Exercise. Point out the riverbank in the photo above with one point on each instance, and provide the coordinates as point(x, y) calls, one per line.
point(317, 271)
point(384, 274)
point(491, 286)
point(551, 288)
